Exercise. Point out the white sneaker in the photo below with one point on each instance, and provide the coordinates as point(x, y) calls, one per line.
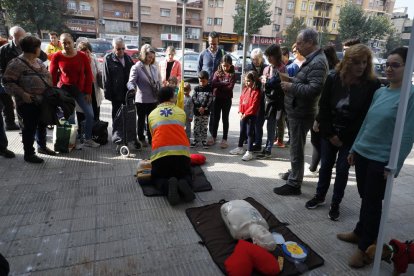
point(237, 151)
point(247, 156)
point(90, 143)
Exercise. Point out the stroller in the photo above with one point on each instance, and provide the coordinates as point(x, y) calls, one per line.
point(124, 125)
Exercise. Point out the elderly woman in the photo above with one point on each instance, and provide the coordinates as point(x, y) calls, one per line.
point(71, 70)
point(23, 79)
point(145, 80)
point(345, 100)
point(170, 67)
point(258, 66)
point(371, 152)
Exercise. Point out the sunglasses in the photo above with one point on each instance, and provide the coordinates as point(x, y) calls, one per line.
point(119, 49)
point(393, 65)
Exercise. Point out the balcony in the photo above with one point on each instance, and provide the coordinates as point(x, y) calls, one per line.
point(322, 14)
point(193, 5)
point(191, 36)
point(117, 14)
point(83, 13)
point(192, 22)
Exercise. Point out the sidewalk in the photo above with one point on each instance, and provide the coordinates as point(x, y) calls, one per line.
point(83, 213)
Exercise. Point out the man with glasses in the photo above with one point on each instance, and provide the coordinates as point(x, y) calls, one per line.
point(301, 105)
point(116, 68)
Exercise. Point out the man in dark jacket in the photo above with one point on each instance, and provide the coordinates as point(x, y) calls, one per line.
point(210, 58)
point(8, 52)
point(301, 105)
point(116, 68)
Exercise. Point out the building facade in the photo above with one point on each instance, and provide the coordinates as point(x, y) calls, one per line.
point(402, 24)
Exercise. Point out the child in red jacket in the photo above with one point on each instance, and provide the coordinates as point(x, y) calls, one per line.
point(248, 108)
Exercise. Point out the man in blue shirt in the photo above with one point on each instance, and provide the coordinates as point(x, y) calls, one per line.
point(210, 58)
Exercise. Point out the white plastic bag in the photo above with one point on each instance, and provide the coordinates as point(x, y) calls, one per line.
point(244, 222)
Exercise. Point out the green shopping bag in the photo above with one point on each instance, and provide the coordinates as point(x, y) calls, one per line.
point(64, 137)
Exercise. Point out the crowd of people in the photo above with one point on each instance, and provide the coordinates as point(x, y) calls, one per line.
point(342, 103)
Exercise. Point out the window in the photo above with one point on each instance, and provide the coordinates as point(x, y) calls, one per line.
point(288, 21)
point(278, 11)
point(145, 10)
point(311, 6)
point(71, 5)
point(334, 24)
point(219, 3)
point(303, 6)
point(338, 10)
point(309, 22)
point(193, 33)
point(117, 26)
point(218, 21)
point(209, 21)
point(276, 27)
point(165, 12)
point(291, 6)
point(211, 3)
point(84, 6)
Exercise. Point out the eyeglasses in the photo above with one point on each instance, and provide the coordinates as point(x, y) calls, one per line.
point(393, 65)
point(119, 49)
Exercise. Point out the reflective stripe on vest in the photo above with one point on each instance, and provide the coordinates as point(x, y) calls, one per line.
point(170, 122)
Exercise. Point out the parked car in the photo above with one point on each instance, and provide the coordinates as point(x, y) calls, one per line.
point(190, 64)
point(99, 46)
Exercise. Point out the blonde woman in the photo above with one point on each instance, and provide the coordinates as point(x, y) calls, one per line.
point(145, 78)
point(170, 67)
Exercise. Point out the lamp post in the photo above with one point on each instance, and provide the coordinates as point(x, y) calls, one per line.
point(139, 24)
point(184, 2)
point(245, 36)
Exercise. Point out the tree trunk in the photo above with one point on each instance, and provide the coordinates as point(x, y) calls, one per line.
point(3, 29)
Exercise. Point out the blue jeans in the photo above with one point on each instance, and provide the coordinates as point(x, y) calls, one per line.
point(87, 111)
point(329, 154)
point(271, 134)
point(247, 131)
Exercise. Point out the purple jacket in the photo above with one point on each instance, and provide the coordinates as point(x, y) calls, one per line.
point(140, 82)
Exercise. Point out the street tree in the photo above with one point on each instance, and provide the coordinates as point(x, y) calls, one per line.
point(293, 30)
point(393, 41)
point(353, 22)
point(259, 16)
point(35, 16)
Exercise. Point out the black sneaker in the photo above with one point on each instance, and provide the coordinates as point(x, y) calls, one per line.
point(193, 144)
point(334, 212)
point(33, 159)
point(287, 190)
point(285, 175)
point(173, 196)
point(185, 190)
point(264, 155)
point(257, 148)
point(7, 153)
point(315, 202)
point(205, 145)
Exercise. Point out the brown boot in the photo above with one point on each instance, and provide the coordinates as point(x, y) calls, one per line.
point(359, 259)
point(348, 237)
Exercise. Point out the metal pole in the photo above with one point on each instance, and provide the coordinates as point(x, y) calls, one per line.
point(246, 34)
point(183, 38)
point(395, 149)
point(139, 24)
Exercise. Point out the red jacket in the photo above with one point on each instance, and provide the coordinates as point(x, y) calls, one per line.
point(72, 71)
point(249, 101)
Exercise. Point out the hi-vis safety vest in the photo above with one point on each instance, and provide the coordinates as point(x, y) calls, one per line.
point(167, 123)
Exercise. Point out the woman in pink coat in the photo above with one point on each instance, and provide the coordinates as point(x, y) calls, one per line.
point(170, 67)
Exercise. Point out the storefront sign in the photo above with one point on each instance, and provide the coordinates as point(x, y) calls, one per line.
point(266, 40)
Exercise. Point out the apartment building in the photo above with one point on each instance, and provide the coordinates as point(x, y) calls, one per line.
point(83, 15)
point(218, 17)
point(193, 24)
point(402, 24)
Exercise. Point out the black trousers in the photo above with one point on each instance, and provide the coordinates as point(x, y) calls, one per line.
point(371, 188)
point(143, 110)
point(170, 166)
point(8, 109)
